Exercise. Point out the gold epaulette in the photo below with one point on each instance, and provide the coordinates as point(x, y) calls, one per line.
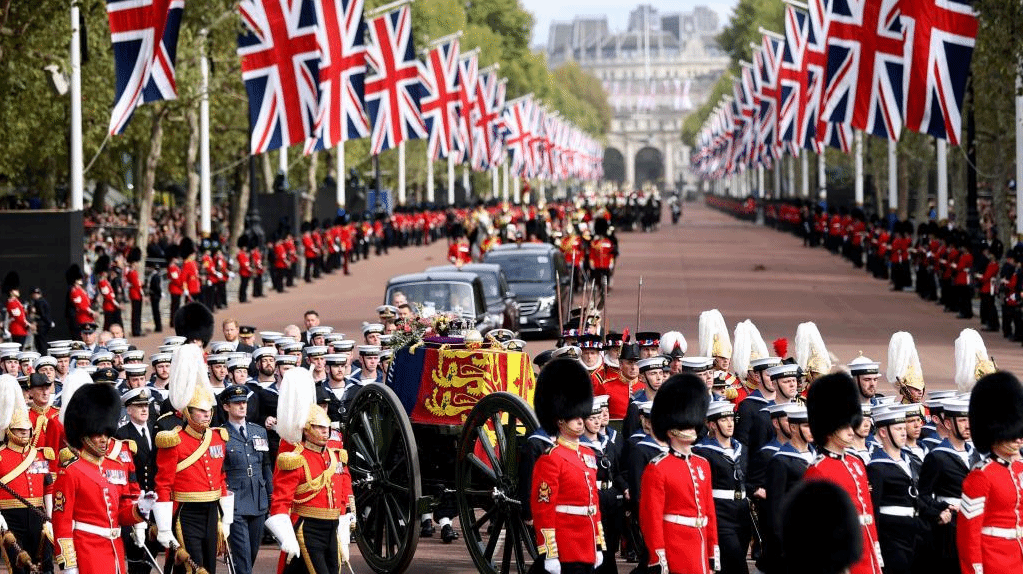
point(47, 453)
point(134, 448)
point(168, 438)
point(343, 454)
point(223, 433)
point(67, 456)
point(290, 460)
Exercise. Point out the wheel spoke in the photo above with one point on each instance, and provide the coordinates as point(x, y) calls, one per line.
point(367, 428)
point(362, 448)
point(483, 519)
point(494, 537)
point(484, 439)
point(393, 518)
point(476, 462)
point(501, 440)
point(520, 559)
point(509, 543)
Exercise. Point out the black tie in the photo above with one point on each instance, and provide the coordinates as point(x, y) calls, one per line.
point(241, 429)
point(145, 437)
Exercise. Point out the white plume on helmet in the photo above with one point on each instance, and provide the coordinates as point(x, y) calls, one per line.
point(11, 400)
point(903, 359)
point(298, 394)
point(188, 371)
point(811, 354)
point(72, 382)
point(670, 340)
point(747, 344)
point(972, 361)
point(714, 338)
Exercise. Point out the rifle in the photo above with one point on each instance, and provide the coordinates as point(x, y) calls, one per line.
point(603, 303)
point(639, 303)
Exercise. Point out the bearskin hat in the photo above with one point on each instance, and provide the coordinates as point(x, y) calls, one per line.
point(681, 403)
point(243, 241)
point(134, 255)
point(185, 247)
point(563, 391)
point(600, 226)
point(996, 410)
point(832, 403)
point(820, 531)
point(94, 409)
point(102, 264)
point(194, 321)
point(12, 281)
point(73, 273)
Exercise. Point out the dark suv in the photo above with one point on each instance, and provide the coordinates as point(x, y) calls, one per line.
point(501, 304)
point(538, 276)
point(445, 292)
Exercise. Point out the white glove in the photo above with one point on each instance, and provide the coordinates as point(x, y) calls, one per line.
point(138, 534)
point(71, 571)
point(344, 537)
point(3, 523)
point(146, 502)
point(552, 566)
point(662, 561)
point(48, 505)
point(48, 531)
point(600, 559)
point(163, 512)
point(280, 526)
point(227, 516)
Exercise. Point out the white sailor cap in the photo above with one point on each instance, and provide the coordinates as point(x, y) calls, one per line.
point(600, 402)
point(174, 340)
point(80, 354)
point(135, 369)
point(27, 356)
point(100, 356)
point(263, 352)
point(764, 363)
point(217, 347)
point(118, 348)
point(238, 363)
point(782, 371)
point(863, 366)
point(386, 354)
point(343, 346)
point(157, 358)
point(369, 350)
point(44, 361)
point(167, 348)
point(720, 409)
point(655, 362)
point(220, 359)
point(797, 414)
point(270, 336)
point(888, 415)
point(935, 400)
point(137, 396)
point(285, 360)
point(779, 409)
point(333, 337)
point(914, 410)
point(60, 351)
point(336, 359)
point(284, 340)
point(697, 364)
point(368, 328)
point(320, 330)
point(291, 347)
point(315, 351)
point(956, 407)
point(566, 351)
point(136, 355)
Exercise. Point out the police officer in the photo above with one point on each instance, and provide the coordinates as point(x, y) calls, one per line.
point(249, 474)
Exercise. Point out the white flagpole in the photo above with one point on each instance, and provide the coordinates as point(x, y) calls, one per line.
point(517, 191)
point(804, 173)
point(205, 224)
point(760, 180)
point(401, 173)
point(893, 176)
point(451, 178)
point(792, 175)
point(494, 181)
point(504, 187)
point(429, 176)
point(858, 142)
point(282, 164)
point(942, 201)
point(341, 176)
point(77, 165)
point(822, 175)
point(465, 181)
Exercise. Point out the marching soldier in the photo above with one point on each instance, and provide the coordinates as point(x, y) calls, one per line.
point(748, 345)
point(834, 411)
point(618, 387)
point(652, 373)
point(783, 473)
point(753, 424)
point(716, 343)
point(244, 268)
point(676, 508)
point(674, 346)
point(312, 506)
point(47, 430)
point(811, 355)
point(727, 460)
point(190, 475)
point(990, 524)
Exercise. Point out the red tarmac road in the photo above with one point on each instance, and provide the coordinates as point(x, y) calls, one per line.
point(709, 260)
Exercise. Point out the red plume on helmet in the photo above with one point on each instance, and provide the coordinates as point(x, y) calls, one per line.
point(781, 347)
point(625, 335)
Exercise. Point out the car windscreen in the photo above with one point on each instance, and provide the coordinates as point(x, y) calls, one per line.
point(442, 296)
point(491, 290)
point(529, 267)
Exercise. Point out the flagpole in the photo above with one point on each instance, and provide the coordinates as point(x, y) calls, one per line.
point(465, 181)
point(387, 7)
point(77, 165)
point(504, 188)
point(341, 177)
point(893, 176)
point(792, 175)
point(858, 143)
point(429, 176)
point(804, 173)
point(494, 181)
point(822, 175)
point(401, 172)
point(205, 225)
point(1019, 154)
point(282, 164)
point(942, 201)
point(451, 178)
point(517, 191)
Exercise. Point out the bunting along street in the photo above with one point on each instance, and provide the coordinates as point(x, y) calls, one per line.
point(709, 260)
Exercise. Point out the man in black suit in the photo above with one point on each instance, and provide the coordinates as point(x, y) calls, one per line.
point(231, 333)
point(139, 429)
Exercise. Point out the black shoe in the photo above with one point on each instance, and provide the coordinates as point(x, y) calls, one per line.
point(448, 534)
point(427, 529)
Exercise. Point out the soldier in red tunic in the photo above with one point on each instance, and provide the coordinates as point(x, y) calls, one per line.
point(563, 501)
point(460, 252)
point(833, 407)
point(244, 268)
point(134, 282)
point(79, 306)
point(47, 430)
point(676, 506)
point(312, 509)
point(18, 324)
point(92, 500)
point(989, 531)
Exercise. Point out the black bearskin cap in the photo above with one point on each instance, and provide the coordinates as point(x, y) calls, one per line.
point(600, 226)
point(185, 248)
point(134, 255)
point(820, 530)
point(194, 321)
point(12, 281)
point(996, 410)
point(93, 409)
point(563, 391)
point(681, 403)
point(832, 403)
point(73, 273)
point(243, 241)
point(102, 264)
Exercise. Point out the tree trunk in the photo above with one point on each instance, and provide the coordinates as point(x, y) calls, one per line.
point(99, 196)
point(149, 177)
point(902, 159)
point(957, 191)
point(48, 192)
point(239, 205)
point(309, 199)
point(922, 181)
point(192, 165)
point(268, 172)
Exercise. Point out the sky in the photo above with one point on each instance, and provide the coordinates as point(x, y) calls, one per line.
point(617, 11)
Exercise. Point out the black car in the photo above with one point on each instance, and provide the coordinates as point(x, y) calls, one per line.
point(537, 274)
point(445, 292)
point(501, 304)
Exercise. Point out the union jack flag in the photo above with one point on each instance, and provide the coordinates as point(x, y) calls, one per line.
point(793, 76)
point(816, 131)
point(483, 126)
point(144, 34)
point(339, 38)
point(519, 132)
point(280, 66)
point(767, 64)
point(499, 125)
point(750, 112)
point(867, 54)
point(468, 74)
point(440, 104)
point(394, 88)
point(944, 33)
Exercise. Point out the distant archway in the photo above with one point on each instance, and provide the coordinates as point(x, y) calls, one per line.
point(649, 166)
point(614, 165)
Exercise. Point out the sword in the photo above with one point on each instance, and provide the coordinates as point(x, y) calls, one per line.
point(603, 303)
point(152, 559)
point(755, 520)
point(228, 558)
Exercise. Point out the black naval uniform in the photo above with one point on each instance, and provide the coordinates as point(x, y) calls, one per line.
point(752, 423)
point(784, 470)
point(941, 481)
point(893, 490)
point(611, 486)
point(728, 483)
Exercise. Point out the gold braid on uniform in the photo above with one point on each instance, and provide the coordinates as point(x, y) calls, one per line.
point(168, 439)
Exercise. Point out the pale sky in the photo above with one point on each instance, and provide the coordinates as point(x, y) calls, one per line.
point(617, 11)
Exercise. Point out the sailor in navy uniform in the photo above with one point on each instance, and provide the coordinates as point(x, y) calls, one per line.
point(641, 448)
point(335, 384)
point(652, 372)
point(914, 423)
point(368, 373)
point(238, 374)
point(727, 459)
point(866, 373)
point(781, 376)
point(784, 471)
point(249, 475)
point(610, 481)
point(934, 431)
point(752, 423)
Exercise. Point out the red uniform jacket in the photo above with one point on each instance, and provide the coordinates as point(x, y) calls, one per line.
point(951, 259)
point(25, 471)
point(309, 246)
point(987, 281)
point(848, 473)
point(184, 476)
point(459, 253)
point(572, 247)
point(602, 253)
point(82, 304)
point(190, 275)
point(619, 395)
point(134, 285)
point(565, 505)
point(175, 280)
point(299, 489)
point(243, 264)
point(208, 269)
point(257, 262)
point(280, 256)
point(220, 271)
point(107, 293)
point(988, 531)
point(90, 505)
point(676, 512)
point(964, 269)
point(19, 321)
point(47, 430)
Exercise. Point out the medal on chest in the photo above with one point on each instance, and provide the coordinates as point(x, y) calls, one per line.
point(116, 476)
point(217, 451)
point(259, 443)
point(590, 461)
point(39, 467)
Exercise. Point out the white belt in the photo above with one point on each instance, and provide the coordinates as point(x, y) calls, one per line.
point(728, 494)
point(866, 519)
point(949, 500)
point(897, 511)
point(694, 521)
point(1007, 533)
point(576, 510)
point(104, 531)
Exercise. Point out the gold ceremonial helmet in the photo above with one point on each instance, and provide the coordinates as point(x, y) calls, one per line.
point(913, 378)
point(202, 399)
point(984, 367)
point(317, 417)
point(20, 420)
point(721, 348)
